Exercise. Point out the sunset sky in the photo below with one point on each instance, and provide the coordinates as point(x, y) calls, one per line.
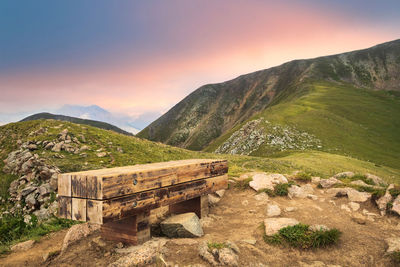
point(134, 57)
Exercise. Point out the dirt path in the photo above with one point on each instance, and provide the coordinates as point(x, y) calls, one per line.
point(237, 218)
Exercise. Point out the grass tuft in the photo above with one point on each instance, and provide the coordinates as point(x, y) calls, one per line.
point(243, 184)
point(279, 190)
point(217, 245)
point(301, 236)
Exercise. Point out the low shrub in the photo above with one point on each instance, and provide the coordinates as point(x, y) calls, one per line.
point(279, 190)
point(301, 236)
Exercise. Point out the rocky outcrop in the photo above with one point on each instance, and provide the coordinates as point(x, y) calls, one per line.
point(383, 202)
point(300, 191)
point(182, 225)
point(23, 246)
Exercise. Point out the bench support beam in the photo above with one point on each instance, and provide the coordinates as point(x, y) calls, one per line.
point(133, 230)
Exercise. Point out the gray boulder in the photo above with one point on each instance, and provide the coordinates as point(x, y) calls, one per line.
point(182, 225)
point(344, 175)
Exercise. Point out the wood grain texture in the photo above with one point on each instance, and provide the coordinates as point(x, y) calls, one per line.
point(79, 209)
point(65, 207)
point(117, 182)
point(118, 208)
point(94, 211)
point(64, 185)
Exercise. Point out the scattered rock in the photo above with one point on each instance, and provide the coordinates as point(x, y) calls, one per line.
point(273, 210)
point(384, 200)
point(142, 255)
point(344, 175)
point(250, 241)
point(360, 183)
point(358, 218)
point(23, 246)
point(182, 225)
point(227, 257)
point(57, 147)
point(101, 154)
point(220, 193)
point(356, 196)
point(393, 244)
point(262, 197)
point(290, 209)
point(354, 206)
point(213, 200)
point(327, 183)
point(315, 180)
point(377, 180)
point(345, 207)
point(77, 232)
point(273, 225)
point(396, 205)
point(207, 255)
point(313, 197)
point(319, 227)
point(245, 202)
point(266, 181)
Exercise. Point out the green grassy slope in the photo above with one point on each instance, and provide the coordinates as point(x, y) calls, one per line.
point(361, 123)
point(128, 150)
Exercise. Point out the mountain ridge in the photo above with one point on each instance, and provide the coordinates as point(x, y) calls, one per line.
point(98, 124)
point(212, 110)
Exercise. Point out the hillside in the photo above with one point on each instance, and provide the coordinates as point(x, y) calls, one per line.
point(98, 124)
point(346, 104)
point(31, 152)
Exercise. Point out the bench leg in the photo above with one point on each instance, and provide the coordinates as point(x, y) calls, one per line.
point(198, 205)
point(133, 230)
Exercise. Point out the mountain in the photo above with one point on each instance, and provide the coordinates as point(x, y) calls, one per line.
point(346, 104)
point(97, 113)
point(98, 124)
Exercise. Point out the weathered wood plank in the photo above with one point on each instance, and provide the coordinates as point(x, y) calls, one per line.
point(64, 185)
point(94, 211)
point(118, 208)
point(65, 207)
point(78, 186)
point(79, 209)
point(117, 182)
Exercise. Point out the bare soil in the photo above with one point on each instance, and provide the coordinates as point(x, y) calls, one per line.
point(238, 217)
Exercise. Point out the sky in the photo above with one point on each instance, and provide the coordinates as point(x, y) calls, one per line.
point(138, 57)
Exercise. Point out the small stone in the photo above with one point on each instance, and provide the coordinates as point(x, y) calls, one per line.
point(290, 209)
point(227, 257)
point(354, 206)
point(345, 207)
point(358, 218)
point(120, 245)
point(250, 241)
point(393, 244)
point(315, 180)
point(213, 200)
point(273, 210)
point(262, 197)
point(313, 197)
point(245, 202)
point(344, 175)
point(101, 154)
point(319, 227)
point(220, 193)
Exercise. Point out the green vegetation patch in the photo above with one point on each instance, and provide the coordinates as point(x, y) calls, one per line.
point(301, 236)
point(14, 229)
point(243, 184)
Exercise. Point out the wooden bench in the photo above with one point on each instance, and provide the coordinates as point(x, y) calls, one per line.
point(120, 199)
